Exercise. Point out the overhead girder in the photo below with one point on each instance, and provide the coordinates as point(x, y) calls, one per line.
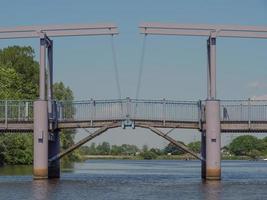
point(204, 30)
point(58, 31)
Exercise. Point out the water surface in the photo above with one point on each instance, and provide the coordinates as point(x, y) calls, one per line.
point(129, 179)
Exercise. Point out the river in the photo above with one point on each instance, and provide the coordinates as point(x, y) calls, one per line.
point(130, 179)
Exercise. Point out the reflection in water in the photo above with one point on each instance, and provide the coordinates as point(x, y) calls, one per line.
point(212, 190)
point(40, 189)
point(16, 170)
point(128, 179)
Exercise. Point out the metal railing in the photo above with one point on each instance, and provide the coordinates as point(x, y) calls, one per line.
point(16, 111)
point(97, 110)
point(244, 110)
point(19, 111)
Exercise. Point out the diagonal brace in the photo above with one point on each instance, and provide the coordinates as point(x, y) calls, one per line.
point(80, 143)
point(178, 144)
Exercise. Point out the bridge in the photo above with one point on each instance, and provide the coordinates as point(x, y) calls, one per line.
point(235, 116)
point(46, 117)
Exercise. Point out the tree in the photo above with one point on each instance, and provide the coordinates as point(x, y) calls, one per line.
point(195, 146)
point(19, 78)
point(16, 148)
point(173, 149)
point(247, 145)
point(63, 93)
point(22, 72)
point(103, 149)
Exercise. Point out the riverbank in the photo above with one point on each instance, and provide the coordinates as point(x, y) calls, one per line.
point(161, 157)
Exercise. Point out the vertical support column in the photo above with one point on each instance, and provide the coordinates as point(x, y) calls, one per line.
point(213, 140)
point(212, 115)
point(208, 69)
point(203, 154)
point(54, 141)
point(50, 77)
point(212, 67)
point(53, 149)
point(42, 81)
point(40, 160)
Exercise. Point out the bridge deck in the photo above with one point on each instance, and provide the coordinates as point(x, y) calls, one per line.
point(232, 127)
point(236, 116)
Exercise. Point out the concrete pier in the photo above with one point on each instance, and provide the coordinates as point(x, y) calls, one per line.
point(40, 160)
point(203, 154)
point(54, 149)
point(213, 140)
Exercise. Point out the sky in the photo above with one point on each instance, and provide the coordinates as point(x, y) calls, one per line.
point(174, 67)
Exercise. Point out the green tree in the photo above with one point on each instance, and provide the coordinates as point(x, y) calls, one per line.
point(148, 155)
point(18, 80)
point(116, 150)
point(22, 73)
point(63, 93)
point(173, 149)
point(16, 148)
point(103, 149)
point(19, 77)
point(195, 146)
point(247, 145)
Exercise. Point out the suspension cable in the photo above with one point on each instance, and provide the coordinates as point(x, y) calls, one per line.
point(140, 73)
point(141, 68)
point(115, 64)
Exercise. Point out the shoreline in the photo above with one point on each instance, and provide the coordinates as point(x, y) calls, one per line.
point(161, 157)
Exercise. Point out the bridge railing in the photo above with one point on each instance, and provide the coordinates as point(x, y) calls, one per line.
point(244, 110)
point(159, 110)
point(151, 110)
point(16, 111)
point(165, 110)
point(93, 110)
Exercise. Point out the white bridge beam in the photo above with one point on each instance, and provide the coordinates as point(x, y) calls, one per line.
point(58, 31)
point(204, 30)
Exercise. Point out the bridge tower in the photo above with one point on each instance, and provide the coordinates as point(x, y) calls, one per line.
point(46, 139)
point(211, 138)
point(46, 134)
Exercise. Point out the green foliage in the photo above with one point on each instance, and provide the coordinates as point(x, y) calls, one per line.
point(16, 148)
point(63, 93)
point(148, 155)
point(19, 79)
point(195, 146)
point(173, 149)
point(157, 151)
point(247, 145)
point(103, 149)
point(106, 149)
point(19, 73)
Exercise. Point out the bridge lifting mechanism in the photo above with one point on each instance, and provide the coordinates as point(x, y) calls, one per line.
point(47, 117)
point(43, 107)
point(211, 138)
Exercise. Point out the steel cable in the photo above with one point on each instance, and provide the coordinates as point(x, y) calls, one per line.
point(140, 73)
point(141, 67)
point(115, 65)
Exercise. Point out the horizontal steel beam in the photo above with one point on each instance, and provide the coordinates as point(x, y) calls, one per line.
point(204, 30)
point(57, 31)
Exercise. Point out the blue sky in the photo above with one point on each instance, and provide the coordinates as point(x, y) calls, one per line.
point(174, 67)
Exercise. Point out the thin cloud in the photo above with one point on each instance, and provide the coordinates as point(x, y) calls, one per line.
point(260, 97)
point(257, 85)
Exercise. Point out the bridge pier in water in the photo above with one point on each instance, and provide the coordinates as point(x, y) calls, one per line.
point(54, 149)
point(212, 140)
point(40, 137)
point(203, 154)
